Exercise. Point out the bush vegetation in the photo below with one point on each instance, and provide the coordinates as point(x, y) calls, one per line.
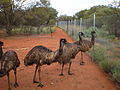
point(107, 61)
point(33, 30)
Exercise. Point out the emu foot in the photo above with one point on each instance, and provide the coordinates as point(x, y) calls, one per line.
point(69, 73)
point(16, 85)
point(40, 85)
point(82, 63)
point(35, 81)
point(61, 74)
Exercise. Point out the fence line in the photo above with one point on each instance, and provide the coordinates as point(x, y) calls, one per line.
point(73, 27)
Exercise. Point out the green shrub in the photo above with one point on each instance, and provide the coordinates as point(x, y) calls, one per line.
point(107, 61)
point(98, 54)
point(108, 65)
point(110, 36)
point(88, 31)
point(116, 71)
point(33, 30)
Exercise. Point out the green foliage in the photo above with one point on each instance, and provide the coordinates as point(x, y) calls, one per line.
point(45, 3)
point(99, 54)
point(108, 65)
point(40, 16)
point(82, 14)
point(107, 61)
point(87, 31)
point(99, 10)
point(111, 37)
point(33, 30)
point(104, 34)
point(16, 13)
point(113, 24)
point(107, 18)
point(116, 74)
point(65, 18)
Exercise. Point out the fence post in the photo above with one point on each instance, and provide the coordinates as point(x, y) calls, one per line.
point(94, 17)
point(80, 24)
point(67, 26)
point(74, 27)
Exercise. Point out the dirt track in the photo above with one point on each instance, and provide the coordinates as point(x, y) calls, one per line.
point(87, 77)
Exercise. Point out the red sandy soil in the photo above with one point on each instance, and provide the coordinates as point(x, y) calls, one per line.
point(87, 77)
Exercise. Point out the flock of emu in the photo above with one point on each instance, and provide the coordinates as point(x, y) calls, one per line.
point(41, 55)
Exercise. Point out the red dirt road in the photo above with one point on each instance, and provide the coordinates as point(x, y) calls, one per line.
point(87, 77)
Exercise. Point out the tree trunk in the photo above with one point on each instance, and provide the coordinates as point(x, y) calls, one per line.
point(9, 30)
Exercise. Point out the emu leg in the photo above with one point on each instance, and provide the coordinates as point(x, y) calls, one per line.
point(39, 70)
point(34, 81)
point(69, 72)
point(8, 82)
point(82, 63)
point(61, 74)
point(16, 84)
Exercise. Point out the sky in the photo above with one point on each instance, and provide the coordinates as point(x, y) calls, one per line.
point(70, 7)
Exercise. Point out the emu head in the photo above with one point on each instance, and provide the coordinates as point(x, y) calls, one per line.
point(63, 41)
point(93, 33)
point(1, 43)
point(59, 52)
point(81, 34)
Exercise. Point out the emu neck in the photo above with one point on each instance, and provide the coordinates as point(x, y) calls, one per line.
point(93, 39)
point(1, 52)
point(61, 48)
point(80, 39)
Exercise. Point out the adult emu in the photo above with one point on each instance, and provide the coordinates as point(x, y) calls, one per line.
point(86, 45)
point(70, 50)
point(8, 61)
point(41, 55)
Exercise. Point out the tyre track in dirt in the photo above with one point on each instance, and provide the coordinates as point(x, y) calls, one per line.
point(87, 77)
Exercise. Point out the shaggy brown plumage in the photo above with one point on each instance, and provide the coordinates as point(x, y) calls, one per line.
point(86, 45)
point(41, 55)
point(70, 50)
point(9, 61)
point(1, 51)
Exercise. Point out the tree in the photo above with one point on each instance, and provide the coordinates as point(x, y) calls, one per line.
point(8, 10)
point(16, 12)
point(116, 3)
point(65, 18)
point(113, 23)
point(40, 16)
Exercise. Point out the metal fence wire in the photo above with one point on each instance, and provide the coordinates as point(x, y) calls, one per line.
point(73, 27)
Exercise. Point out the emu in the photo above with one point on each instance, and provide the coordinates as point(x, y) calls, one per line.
point(70, 50)
point(8, 61)
point(86, 45)
point(41, 55)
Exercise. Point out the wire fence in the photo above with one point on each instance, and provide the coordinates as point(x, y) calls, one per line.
point(29, 30)
point(73, 27)
point(43, 29)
